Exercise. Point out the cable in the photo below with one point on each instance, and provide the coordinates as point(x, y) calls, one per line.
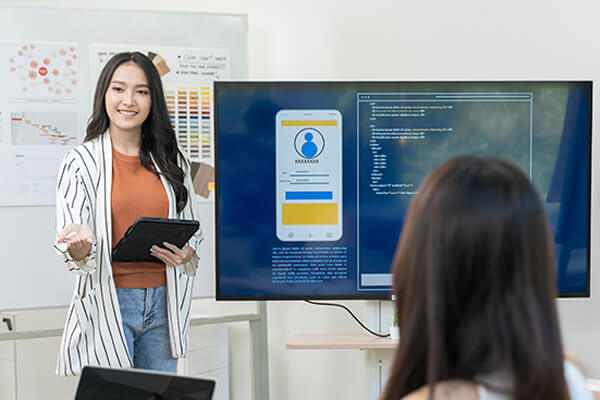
point(351, 313)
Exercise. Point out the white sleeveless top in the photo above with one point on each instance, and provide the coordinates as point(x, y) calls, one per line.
point(578, 389)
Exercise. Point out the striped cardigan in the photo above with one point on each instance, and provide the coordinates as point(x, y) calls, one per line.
point(93, 333)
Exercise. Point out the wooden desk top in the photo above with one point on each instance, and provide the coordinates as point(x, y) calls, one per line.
point(337, 341)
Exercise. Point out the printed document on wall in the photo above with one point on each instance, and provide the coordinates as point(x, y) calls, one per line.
point(39, 117)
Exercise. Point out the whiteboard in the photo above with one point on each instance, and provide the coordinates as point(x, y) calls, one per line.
point(32, 275)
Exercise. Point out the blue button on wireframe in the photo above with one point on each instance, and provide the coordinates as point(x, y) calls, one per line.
point(309, 195)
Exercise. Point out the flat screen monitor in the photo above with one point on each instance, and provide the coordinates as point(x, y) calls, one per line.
point(313, 179)
point(98, 383)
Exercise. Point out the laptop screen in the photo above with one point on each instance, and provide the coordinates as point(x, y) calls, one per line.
point(134, 384)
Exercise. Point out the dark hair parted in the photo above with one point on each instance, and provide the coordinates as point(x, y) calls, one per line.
point(474, 278)
point(158, 136)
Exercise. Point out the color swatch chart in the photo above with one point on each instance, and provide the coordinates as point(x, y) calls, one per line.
point(44, 128)
point(190, 113)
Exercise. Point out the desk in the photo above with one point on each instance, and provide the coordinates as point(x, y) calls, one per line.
point(340, 341)
point(379, 353)
point(258, 341)
point(365, 341)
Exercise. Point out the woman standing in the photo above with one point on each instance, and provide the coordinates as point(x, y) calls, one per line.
point(129, 166)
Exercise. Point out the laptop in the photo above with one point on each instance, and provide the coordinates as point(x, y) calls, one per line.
point(98, 383)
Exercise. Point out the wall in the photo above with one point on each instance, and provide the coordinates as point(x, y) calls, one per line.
point(402, 40)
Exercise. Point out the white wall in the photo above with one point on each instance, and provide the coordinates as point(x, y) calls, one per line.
point(402, 40)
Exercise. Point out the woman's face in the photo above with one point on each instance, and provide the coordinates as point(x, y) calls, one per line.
point(127, 100)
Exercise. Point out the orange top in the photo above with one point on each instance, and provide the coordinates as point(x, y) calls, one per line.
point(136, 192)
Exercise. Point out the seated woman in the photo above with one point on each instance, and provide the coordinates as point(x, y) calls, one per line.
point(475, 285)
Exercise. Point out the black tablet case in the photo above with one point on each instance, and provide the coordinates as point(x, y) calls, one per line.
point(135, 245)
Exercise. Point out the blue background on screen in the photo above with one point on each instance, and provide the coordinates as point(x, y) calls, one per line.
point(556, 156)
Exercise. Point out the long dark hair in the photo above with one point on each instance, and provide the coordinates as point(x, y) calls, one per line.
point(474, 278)
point(158, 136)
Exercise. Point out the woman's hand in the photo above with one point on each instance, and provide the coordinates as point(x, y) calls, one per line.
point(172, 255)
point(79, 239)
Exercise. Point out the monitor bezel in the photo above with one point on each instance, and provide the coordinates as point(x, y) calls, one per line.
point(350, 85)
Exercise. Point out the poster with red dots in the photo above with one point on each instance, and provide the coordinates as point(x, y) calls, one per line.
point(43, 71)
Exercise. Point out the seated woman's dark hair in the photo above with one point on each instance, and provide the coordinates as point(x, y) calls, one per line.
point(474, 278)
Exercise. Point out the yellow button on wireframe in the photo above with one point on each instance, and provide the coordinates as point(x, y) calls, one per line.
point(309, 123)
point(309, 214)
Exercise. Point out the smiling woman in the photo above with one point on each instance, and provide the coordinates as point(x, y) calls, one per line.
point(127, 102)
point(125, 314)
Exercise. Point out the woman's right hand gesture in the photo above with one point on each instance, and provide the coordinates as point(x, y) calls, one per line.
point(79, 239)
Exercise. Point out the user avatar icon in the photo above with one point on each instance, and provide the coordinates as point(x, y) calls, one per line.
point(309, 149)
point(309, 143)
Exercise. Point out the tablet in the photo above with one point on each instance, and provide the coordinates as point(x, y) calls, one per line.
point(135, 245)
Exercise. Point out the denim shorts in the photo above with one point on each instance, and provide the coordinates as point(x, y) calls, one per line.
point(146, 327)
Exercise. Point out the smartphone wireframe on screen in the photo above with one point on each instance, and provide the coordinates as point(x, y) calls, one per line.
point(308, 145)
